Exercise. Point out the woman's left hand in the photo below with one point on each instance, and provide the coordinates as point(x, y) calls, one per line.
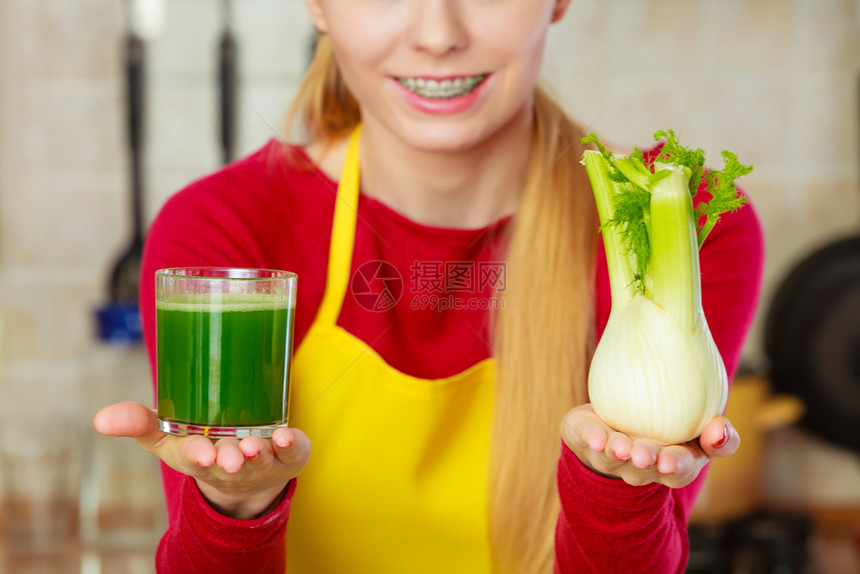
point(644, 461)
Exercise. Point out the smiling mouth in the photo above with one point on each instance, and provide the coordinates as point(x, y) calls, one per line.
point(442, 89)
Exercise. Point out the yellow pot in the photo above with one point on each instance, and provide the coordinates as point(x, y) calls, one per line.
point(733, 485)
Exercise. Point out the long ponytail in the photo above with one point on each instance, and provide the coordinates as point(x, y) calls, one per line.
point(544, 335)
point(324, 104)
point(543, 340)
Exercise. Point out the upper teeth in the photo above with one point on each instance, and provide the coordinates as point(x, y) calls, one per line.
point(430, 88)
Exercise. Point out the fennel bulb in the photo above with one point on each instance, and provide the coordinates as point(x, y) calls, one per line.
point(656, 372)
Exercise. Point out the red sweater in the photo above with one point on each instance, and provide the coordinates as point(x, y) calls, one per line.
point(263, 212)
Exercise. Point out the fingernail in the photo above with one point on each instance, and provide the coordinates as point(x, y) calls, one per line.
point(254, 457)
point(621, 458)
point(723, 439)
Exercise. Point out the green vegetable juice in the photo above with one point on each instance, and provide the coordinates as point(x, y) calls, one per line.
point(226, 364)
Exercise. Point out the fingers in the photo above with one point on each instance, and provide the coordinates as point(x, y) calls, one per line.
point(133, 420)
point(582, 429)
point(594, 443)
point(676, 460)
point(637, 459)
point(229, 456)
point(240, 478)
point(619, 446)
point(594, 434)
point(191, 454)
point(254, 449)
point(674, 466)
point(283, 438)
point(193, 451)
point(643, 461)
point(251, 452)
point(719, 439)
point(292, 447)
point(232, 455)
point(125, 419)
point(643, 453)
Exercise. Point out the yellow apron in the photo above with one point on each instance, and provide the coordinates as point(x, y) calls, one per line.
point(397, 476)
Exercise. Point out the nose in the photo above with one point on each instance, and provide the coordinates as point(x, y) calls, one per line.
point(438, 27)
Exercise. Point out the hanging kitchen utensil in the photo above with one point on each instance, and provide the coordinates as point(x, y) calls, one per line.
point(228, 89)
point(119, 319)
point(120, 505)
point(812, 338)
point(124, 276)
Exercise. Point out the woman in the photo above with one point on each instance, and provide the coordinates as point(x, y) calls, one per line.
point(435, 430)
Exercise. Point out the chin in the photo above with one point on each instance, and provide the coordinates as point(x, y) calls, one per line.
point(450, 135)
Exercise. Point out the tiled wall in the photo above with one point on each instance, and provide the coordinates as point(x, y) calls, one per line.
point(774, 80)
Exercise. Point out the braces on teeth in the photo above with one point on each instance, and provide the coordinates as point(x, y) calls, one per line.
point(441, 89)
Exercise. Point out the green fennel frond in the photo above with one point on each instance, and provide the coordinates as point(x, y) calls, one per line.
point(724, 195)
point(674, 153)
point(614, 174)
point(631, 214)
point(634, 178)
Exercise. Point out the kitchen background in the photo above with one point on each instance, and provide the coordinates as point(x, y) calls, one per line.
point(774, 80)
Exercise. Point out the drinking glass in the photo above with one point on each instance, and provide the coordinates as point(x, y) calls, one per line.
point(224, 349)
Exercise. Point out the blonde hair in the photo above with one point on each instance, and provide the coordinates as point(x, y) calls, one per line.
point(543, 337)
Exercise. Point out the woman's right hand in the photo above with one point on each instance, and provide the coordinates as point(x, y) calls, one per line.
point(242, 479)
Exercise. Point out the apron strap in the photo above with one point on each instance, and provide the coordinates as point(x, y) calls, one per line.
point(342, 235)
